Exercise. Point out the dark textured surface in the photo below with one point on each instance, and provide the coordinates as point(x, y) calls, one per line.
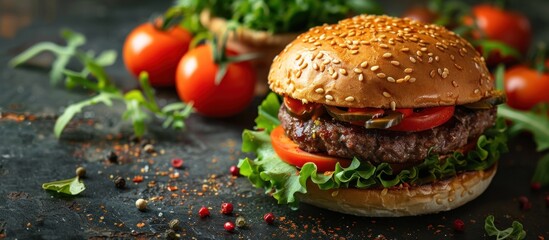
point(30, 155)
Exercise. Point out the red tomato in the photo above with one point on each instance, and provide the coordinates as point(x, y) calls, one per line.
point(298, 108)
point(422, 14)
point(290, 153)
point(511, 28)
point(195, 82)
point(424, 119)
point(526, 87)
point(156, 51)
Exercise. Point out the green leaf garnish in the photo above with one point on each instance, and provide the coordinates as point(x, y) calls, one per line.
point(536, 123)
point(489, 46)
point(516, 231)
point(71, 186)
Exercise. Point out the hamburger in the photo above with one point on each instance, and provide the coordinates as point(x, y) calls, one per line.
point(377, 116)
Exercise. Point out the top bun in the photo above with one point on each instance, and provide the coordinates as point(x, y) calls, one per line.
point(381, 62)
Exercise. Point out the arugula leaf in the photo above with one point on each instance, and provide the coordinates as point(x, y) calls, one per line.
point(268, 171)
point(71, 186)
point(532, 122)
point(489, 46)
point(516, 231)
point(73, 109)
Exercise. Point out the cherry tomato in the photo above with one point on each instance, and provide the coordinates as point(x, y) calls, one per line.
point(525, 87)
point(290, 153)
point(195, 82)
point(424, 119)
point(511, 28)
point(422, 14)
point(158, 52)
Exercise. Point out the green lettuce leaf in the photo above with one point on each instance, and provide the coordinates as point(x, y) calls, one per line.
point(71, 186)
point(513, 232)
point(284, 181)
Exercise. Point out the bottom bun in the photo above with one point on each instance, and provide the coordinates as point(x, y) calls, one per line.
point(406, 201)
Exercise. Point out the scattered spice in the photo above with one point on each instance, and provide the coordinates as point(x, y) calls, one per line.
point(235, 171)
point(174, 224)
point(140, 225)
point(80, 172)
point(240, 222)
point(535, 186)
point(112, 157)
point(177, 162)
point(203, 212)
point(226, 208)
point(525, 204)
point(148, 148)
point(172, 188)
point(137, 179)
point(269, 218)
point(229, 226)
point(119, 182)
point(141, 204)
point(459, 225)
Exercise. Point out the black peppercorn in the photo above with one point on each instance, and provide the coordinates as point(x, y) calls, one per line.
point(174, 224)
point(112, 157)
point(119, 182)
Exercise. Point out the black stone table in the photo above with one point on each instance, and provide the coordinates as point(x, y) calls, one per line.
point(30, 155)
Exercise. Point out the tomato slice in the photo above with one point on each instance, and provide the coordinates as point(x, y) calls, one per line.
point(297, 107)
point(290, 153)
point(424, 119)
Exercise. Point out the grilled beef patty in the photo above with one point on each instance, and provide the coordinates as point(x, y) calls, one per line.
point(342, 139)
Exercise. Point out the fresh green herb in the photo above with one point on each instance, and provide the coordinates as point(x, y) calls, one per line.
point(535, 121)
point(276, 16)
point(92, 76)
point(71, 186)
point(270, 172)
point(490, 46)
point(514, 232)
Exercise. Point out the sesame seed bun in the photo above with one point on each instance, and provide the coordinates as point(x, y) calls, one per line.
point(381, 62)
point(396, 202)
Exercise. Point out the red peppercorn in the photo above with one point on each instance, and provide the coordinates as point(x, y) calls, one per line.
point(459, 225)
point(177, 163)
point(226, 208)
point(524, 203)
point(229, 226)
point(535, 186)
point(203, 212)
point(235, 171)
point(269, 218)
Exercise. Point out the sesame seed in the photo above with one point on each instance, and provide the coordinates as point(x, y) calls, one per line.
point(452, 57)
point(343, 71)
point(330, 70)
point(439, 71)
point(315, 66)
point(404, 49)
point(383, 45)
point(455, 83)
point(477, 91)
point(407, 78)
point(437, 58)
point(357, 70)
point(317, 43)
point(391, 79)
point(349, 99)
point(364, 64)
point(412, 80)
point(412, 59)
point(343, 45)
point(319, 55)
point(334, 75)
point(336, 61)
point(354, 52)
point(430, 60)
point(458, 66)
point(329, 97)
point(393, 105)
point(464, 50)
point(298, 56)
point(400, 80)
point(381, 75)
point(423, 49)
point(360, 77)
point(444, 74)
point(326, 61)
point(312, 49)
point(386, 94)
point(300, 61)
point(432, 73)
point(396, 63)
point(419, 53)
point(298, 74)
point(387, 55)
point(408, 70)
point(319, 90)
point(374, 68)
point(304, 65)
